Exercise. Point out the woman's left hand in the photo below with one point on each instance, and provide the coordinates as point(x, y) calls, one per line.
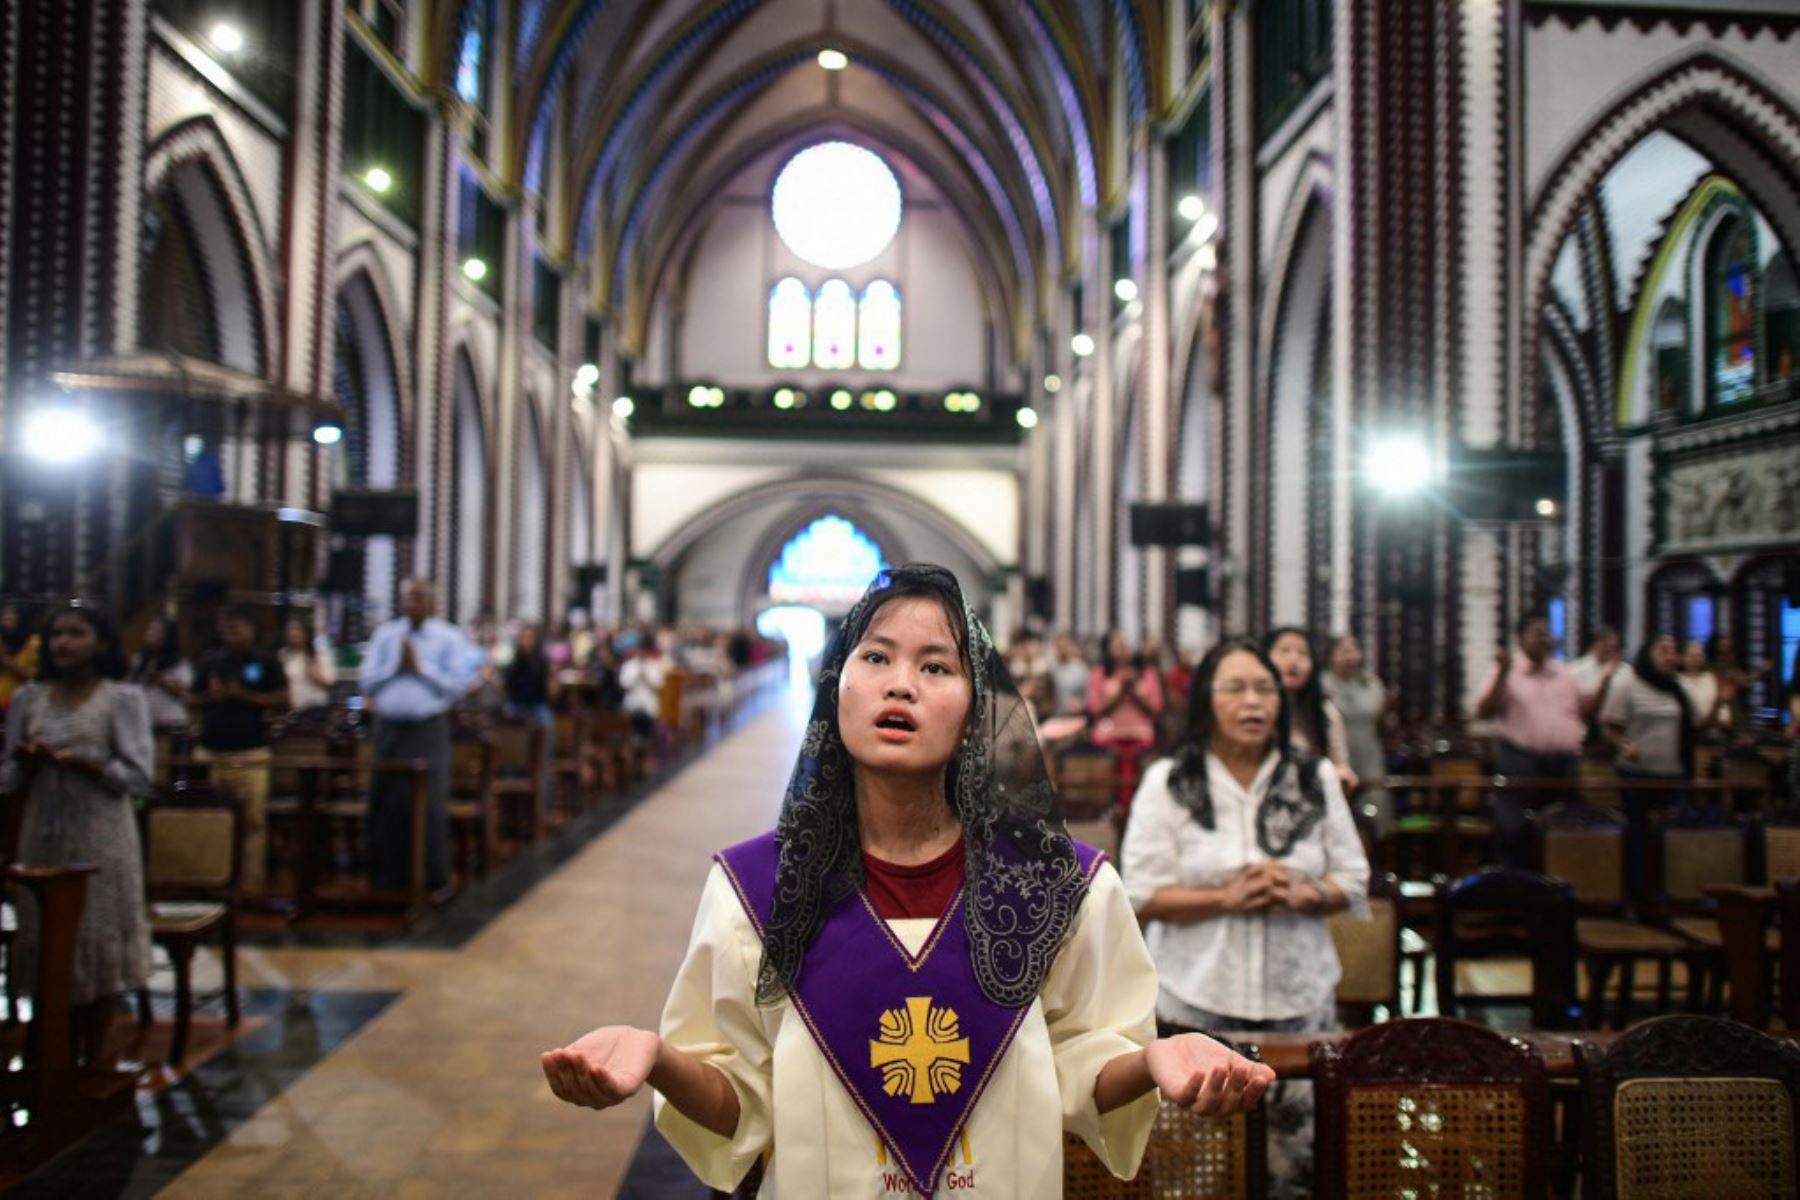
point(1304, 895)
point(1204, 1076)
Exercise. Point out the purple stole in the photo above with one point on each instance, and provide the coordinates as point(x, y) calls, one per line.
point(913, 1040)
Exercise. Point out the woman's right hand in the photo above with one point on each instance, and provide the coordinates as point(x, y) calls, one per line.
point(603, 1068)
point(1251, 889)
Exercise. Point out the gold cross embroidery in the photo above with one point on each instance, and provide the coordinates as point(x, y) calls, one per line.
point(918, 1051)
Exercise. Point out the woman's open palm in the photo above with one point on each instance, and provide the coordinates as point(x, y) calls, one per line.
point(1204, 1076)
point(602, 1068)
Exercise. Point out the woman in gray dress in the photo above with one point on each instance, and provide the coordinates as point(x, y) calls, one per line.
point(1362, 701)
point(78, 747)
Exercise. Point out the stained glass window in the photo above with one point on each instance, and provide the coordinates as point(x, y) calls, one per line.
point(834, 326)
point(790, 324)
point(829, 564)
point(1731, 312)
point(878, 327)
point(468, 67)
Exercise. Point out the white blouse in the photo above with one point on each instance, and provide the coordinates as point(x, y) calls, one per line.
point(1263, 966)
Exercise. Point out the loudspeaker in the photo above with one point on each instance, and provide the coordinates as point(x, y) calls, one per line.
point(368, 512)
point(1193, 587)
point(1037, 596)
point(1505, 485)
point(1170, 525)
point(343, 571)
point(588, 576)
point(209, 591)
point(1790, 580)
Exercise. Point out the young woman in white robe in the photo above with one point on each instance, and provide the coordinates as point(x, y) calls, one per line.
point(919, 744)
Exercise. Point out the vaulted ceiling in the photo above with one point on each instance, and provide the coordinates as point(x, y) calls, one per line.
point(629, 116)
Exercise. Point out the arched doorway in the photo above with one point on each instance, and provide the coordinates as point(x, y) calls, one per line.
point(534, 498)
point(468, 520)
point(813, 580)
point(1299, 438)
point(365, 384)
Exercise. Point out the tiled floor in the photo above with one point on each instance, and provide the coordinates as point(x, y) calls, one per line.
point(442, 1094)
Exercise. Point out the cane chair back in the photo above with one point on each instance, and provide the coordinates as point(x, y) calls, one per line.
point(1599, 782)
point(1087, 780)
point(1695, 857)
point(192, 845)
point(1430, 1106)
point(1585, 845)
point(1781, 852)
point(1368, 950)
point(1690, 1106)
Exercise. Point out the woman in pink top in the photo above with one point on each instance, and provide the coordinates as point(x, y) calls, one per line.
point(1124, 700)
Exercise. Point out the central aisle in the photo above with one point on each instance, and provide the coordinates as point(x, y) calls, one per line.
point(443, 1094)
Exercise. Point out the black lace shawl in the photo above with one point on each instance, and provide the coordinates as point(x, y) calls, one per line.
point(1023, 886)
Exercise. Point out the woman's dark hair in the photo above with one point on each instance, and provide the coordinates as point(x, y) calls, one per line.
point(15, 638)
point(1595, 635)
point(109, 655)
point(1645, 668)
point(1309, 702)
point(1280, 821)
point(1721, 651)
point(164, 657)
point(1107, 665)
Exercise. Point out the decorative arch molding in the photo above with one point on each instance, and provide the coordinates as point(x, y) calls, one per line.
point(1584, 410)
point(1314, 186)
point(464, 344)
point(754, 583)
point(1710, 201)
point(1003, 214)
point(361, 266)
point(1716, 105)
point(193, 158)
point(1197, 348)
point(1301, 268)
point(687, 221)
point(1021, 126)
point(839, 490)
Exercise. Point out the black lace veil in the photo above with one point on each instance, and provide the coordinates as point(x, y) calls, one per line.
point(1023, 885)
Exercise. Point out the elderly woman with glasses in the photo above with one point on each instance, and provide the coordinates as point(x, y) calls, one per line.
point(1238, 849)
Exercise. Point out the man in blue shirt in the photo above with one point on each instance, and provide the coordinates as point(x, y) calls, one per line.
point(416, 669)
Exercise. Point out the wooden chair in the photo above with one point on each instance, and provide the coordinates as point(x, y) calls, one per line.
point(1787, 974)
point(1371, 950)
point(1779, 833)
point(473, 830)
point(1509, 913)
point(1087, 783)
point(1691, 850)
point(286, 783)
point(1690, 1106)
point(1752, 778)
point(613, 755)
point(1188, 1158)
point(1430, 1106)
point(1585, 845)
point(193, 856)
point(516, 785)
point(568, 797)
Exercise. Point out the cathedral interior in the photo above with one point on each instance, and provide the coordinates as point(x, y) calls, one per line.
point(634, 338)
